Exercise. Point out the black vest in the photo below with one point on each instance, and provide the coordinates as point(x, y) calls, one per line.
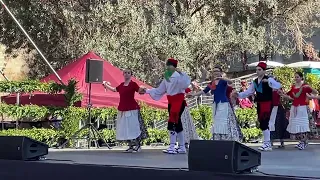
point(266, 94)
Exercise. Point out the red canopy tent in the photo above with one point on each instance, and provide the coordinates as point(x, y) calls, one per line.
point(99, 97)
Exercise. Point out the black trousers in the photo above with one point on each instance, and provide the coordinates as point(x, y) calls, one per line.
point(177, 127)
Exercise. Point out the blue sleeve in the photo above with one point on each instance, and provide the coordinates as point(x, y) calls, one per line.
point(224, 83)
point(207, 89)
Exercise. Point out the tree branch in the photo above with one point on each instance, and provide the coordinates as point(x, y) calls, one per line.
point(292, 8)
point(197, 9)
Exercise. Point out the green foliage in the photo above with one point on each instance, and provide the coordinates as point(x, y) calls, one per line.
point(48, 136)
point(141, 35)
point(286, 76)
point(247, 117)
point(202, 116)
point(30, 86)
point(72, 115)
point(70, 92)
point(157, 136)
point(313, 80)
point(251, 133)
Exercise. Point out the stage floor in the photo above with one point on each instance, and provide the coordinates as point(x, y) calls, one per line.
point(289, 161)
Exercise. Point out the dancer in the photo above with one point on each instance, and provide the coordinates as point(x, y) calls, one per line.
point(278, 122)
point(130, 126)
point(299, 123)
point(312, 120)
point(262, 86)
point(174, 85)
point(189, 129)
point(225, 126)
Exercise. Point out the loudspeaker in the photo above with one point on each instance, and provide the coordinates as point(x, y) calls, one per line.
point(94, 71)
point(222, 156)
point(21, 148)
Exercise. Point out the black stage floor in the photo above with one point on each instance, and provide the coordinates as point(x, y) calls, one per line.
point(152, 163)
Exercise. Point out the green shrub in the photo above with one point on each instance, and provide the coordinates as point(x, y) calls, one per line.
point(48, 136)
point(251, 133)
point(247, 117)
point(72, 115)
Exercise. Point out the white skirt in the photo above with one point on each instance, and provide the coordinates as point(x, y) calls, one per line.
point(298, 120)
point(189, 130)
point(225, 125)
point(127, 126)
point(220, 113)
point(273, 117)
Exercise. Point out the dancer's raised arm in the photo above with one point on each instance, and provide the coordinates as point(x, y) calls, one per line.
point(107, 85)
point(250, 91)
point(273, 83)
point(157, 93)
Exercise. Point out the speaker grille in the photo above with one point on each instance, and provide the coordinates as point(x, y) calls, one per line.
point(94, 71)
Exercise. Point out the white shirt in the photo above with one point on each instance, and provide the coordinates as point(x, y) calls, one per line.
point(272, 83)
point(177, 84)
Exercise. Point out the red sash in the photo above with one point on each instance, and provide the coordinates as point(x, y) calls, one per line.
point(265, 109)
point(175, 102)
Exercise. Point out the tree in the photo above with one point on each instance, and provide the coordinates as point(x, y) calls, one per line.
point(142, 34)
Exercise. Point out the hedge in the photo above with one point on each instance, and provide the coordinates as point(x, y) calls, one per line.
point(202, 117)
point(72, 115)
point(29, 86)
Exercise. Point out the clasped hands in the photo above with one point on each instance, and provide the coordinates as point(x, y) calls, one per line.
point(142, 90)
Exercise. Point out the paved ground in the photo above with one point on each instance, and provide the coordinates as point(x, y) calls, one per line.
point(288, 161)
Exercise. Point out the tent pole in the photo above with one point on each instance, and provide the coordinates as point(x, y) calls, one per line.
point(4, 76)
point(26, 34)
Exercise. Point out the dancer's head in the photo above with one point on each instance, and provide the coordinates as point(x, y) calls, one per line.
point(172, 64)
point(127, 73)
point(217, 72)
point(298, 77)
point(261, 69)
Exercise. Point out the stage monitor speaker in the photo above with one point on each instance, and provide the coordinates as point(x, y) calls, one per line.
point(94, 71)
point(21, 148)
point(222, 156)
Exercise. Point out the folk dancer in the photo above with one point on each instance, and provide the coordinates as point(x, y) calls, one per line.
point(188, 126)
point(278, 122)
point(225, 126)
point(299, 120)
point(174, 85)
point(263, 87)
point(130, 126)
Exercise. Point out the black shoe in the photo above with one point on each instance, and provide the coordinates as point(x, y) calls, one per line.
point(129, 150)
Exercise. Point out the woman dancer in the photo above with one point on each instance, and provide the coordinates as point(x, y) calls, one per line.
point(130, 125)
point(299, 123)
point(225, 126)
point(189, 128)
point(278, 122)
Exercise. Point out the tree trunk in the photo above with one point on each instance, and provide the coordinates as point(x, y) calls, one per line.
point(204, 74)
point(260, 56)
point(244, 60)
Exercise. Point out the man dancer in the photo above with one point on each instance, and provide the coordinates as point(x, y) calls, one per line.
point(263, 86)
point(174, 84)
